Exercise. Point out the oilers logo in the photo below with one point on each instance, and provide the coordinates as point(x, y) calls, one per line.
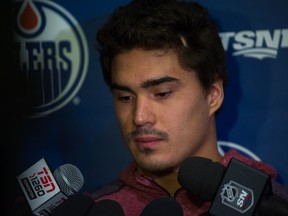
point(224, 146)
point(52, 55)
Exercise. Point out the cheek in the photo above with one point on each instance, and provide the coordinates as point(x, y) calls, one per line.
point(120, 109)
point(123, 116)
point(118, 112)
point(187, 119)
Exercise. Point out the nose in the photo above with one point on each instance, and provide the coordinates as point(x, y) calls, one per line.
point(143, 112)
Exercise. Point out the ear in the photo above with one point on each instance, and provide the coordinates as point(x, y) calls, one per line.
point(215, 96)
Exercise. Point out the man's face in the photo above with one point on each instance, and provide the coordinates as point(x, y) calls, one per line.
point(163, 111)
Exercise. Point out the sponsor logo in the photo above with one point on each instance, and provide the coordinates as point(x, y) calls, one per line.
point(237, 196)
point(38, 184)
point(259, 44)
point(52, 53)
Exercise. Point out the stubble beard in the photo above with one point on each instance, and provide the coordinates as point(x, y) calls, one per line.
point(148, 161)
point(152, 165)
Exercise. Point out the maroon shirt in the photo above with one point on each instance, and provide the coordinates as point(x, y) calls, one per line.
point(134, 191)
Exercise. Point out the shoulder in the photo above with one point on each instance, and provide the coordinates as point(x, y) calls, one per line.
point(280, 190)
point(264, 167)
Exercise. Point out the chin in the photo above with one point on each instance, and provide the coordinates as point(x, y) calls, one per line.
point(156, 165)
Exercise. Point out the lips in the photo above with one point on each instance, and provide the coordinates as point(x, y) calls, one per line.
point(147, 142)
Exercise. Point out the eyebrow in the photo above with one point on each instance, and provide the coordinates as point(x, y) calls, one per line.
point(154, 82)
point(147, 83)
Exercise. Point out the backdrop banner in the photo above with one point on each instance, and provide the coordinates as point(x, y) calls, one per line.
point(65, 111)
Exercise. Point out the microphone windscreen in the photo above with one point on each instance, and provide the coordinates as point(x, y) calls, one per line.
point(201, 177)
point(69, 179)
point(106, 207)
point(163, 206)
point(75, 205)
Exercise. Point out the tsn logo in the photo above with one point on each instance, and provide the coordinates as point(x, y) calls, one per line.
point(243, 197)
point(257, 44)
point(42, 182)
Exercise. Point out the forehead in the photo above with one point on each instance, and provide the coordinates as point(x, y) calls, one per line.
point(138, 65)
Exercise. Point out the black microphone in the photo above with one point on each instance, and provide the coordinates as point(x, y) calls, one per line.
point(167, 206)
point(236, 190)
point(106, 207)
point(45, 190)
point(84, 205)
point(75, 205)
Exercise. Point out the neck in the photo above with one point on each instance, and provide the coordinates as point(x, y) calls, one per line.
point(169, 182)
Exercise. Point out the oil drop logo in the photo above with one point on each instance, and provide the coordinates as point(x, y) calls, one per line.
point(52, 54)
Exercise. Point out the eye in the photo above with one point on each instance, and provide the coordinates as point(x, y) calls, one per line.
point(122, 96)
point(163, 95)
point(125, 99)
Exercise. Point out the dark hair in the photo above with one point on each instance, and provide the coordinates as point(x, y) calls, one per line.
point(183, 27)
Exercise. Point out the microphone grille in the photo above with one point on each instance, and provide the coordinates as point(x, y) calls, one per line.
point(69, 178)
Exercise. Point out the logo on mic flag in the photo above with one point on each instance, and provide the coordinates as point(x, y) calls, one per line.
point(237, 196)
point(39, 183)
point(39, 187)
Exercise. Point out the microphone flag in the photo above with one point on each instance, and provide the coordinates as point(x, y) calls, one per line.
point(41, 189)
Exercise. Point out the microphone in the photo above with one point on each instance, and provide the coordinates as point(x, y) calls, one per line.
point(236, 190)
point(76, 205)
point(163, 206)
point(106, 207)
point(45, 190)
point(83, 205)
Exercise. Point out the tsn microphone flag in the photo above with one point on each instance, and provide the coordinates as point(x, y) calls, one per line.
point(39, 187)
point(241, 191)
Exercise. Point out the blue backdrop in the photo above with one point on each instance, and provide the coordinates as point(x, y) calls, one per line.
point(69, 115)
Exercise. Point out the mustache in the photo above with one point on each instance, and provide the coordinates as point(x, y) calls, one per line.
point(147, 131)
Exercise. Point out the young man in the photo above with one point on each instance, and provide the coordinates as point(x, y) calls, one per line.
point(165, 65)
